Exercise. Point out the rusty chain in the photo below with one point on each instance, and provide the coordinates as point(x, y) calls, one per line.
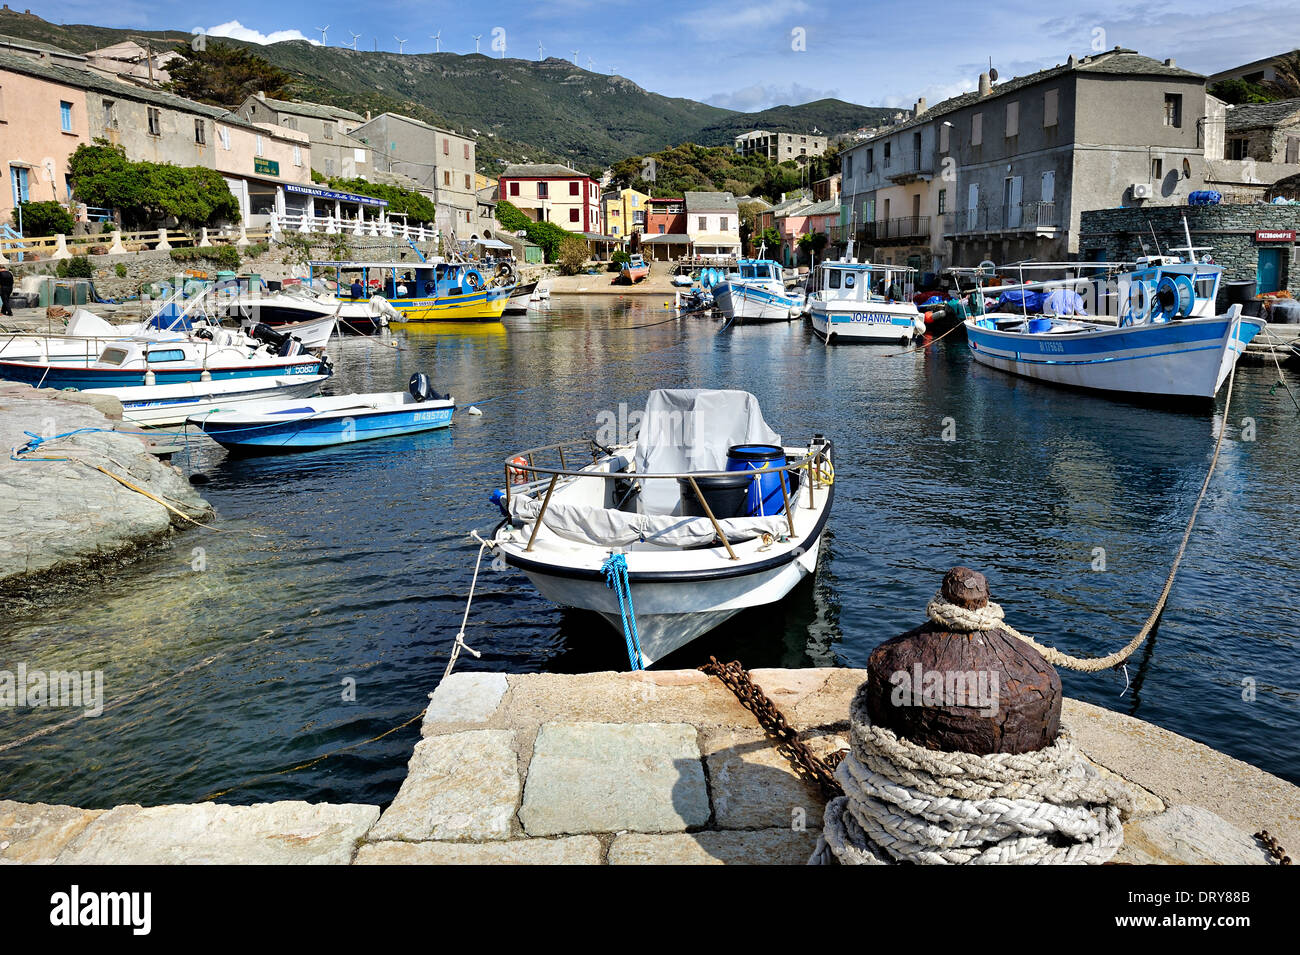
point(1274, 847)
point(806, 763)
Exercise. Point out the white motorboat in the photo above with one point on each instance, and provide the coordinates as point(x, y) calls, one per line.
point(155, 405)
point(302, 303)
point(756, 292)
point(856, 301)
point(707, 514)
point(314, 333)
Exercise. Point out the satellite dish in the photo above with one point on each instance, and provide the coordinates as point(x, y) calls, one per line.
point(993, 74)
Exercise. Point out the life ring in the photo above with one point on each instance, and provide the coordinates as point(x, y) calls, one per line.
point(517, 469)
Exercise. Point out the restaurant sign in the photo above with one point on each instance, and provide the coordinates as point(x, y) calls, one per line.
point(266, 167)
point(1275, 235)
point(330, 194)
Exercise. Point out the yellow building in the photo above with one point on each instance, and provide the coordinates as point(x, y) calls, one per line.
point(624, 212)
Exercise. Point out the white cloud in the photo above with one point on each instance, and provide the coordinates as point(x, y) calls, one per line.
point(237, 31)
point(749, 99)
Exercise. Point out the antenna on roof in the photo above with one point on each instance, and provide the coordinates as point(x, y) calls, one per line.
point(437, 41)
point(322, 33)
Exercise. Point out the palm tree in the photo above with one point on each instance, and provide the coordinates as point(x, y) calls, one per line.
point(1286, 76)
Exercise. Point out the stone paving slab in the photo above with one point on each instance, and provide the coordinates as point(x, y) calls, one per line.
point(458, 786)
point(1189, 835)
point(608, 777)
point(673, 696)
point(35, 833)
point(1184, 772)
point(753, 785)
point(763, 847)
point(280, 833)
point(572, 850)
point(462, 700)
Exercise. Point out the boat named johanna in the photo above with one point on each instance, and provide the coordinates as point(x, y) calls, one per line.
point(856, 301)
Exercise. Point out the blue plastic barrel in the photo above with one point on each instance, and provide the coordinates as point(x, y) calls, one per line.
point(765, 496)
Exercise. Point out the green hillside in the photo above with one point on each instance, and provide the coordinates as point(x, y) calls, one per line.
point(522, 109)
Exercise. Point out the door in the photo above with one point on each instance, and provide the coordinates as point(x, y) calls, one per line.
point(1011, 191)
point(18, 177)
point(1268, 275)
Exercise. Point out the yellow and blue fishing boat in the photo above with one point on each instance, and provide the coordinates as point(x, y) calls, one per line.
point(424, 291)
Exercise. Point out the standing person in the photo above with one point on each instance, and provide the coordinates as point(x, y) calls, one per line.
point(6, 290)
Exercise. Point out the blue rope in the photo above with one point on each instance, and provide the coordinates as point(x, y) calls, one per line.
point(615, 571)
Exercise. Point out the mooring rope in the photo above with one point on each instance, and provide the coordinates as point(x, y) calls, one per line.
point(904, 803)
point(615, 571)
point(460, 643)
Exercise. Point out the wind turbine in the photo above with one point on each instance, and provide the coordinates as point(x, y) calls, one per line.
point(437, 41)
point(477, 37)
point(575, 57)
point(355, 37)
point(401, 44)
point(539, 49)
point(590, 63)
point(322, 33)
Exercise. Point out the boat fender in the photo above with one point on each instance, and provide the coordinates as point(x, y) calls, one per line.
point(498, 497)
point(518, 469)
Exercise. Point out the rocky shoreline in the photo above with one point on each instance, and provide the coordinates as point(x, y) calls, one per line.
point(62, 519)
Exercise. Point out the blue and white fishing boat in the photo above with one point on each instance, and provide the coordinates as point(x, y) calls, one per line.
point(171, 404)
point(856, 301)
point(211, 354)
point(756, 293)
point(1169, 342)
point(271, 426)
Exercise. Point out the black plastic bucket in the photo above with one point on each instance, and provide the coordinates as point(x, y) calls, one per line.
point(725, 495)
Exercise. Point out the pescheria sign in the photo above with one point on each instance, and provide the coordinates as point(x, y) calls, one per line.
point(1275, 235)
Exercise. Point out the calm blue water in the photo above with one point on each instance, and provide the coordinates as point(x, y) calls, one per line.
point(354, 564)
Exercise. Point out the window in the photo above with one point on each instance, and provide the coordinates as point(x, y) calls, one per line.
point(573, 188)
point(543, 190)
point(466, 145)
point(943, 201)
point(848, 167)
point(65, 116)
point(1174, 110)
point(613, 230)
point(1235, 148)
point(297, 155)
point(944, 132)
point(834, 281)
point(110, 114)
point(1049, 186)
point(1293, 149)
point(1051, 107)
point(224, 135)
point(259, 147)
point(573, 215)
point(467, 186)
point(167, 354)
point(155, 120)
point(1157, 169)
point(704, 223)
point(1013, 119)
point(446, 177)
point(18, 179)
point(871, 161)
point(329, 130)
point(887, 152)
point(722, 227)
point(446, 146)
point(977, 129)
point(200, 132)
point(290, 123)
point(514, 189)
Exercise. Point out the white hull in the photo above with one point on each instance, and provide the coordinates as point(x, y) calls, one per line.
point(155, 405)
point(866, 322)
point(314, 334)
point(746, 302)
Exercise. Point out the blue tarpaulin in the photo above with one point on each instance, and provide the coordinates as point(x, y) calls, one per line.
point(1021, 300)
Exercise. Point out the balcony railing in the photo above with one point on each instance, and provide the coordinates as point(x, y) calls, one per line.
point(908, 166)
point(895, 230)
point(1021, 217)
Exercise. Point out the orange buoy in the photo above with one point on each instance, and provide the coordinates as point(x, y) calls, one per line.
point(929, 317)
point(518, 469)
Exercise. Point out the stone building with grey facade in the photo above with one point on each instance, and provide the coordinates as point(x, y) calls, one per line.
point(334, 151)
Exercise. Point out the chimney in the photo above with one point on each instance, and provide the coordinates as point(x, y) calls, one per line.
point(986, 85)
point(920, 106)
point(1072, 62)
point(367, 116)
point(1169, 62)
point(261, 95)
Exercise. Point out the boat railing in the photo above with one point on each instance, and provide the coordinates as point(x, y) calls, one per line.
point(816, 462)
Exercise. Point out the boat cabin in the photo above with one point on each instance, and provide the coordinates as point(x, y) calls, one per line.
point(404, 281)
point(839, 280)
point(759, 270)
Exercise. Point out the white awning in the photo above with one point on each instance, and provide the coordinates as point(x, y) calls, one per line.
point(492, 244)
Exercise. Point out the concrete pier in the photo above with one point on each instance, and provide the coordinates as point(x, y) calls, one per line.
point(637, 768)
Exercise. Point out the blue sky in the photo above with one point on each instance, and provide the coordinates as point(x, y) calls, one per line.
point(746, 55)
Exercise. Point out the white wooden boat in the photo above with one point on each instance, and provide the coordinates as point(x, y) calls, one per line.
point(756, 292)
point(155, 405)
point(690, 565)
point(854, 301)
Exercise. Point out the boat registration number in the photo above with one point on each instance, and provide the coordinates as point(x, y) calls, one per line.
point(1055, 347)
point(421, 416)
point(302, 370)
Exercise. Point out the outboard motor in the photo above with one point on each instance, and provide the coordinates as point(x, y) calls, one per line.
point(420, 388)
point(267, 335)
point(290, 347)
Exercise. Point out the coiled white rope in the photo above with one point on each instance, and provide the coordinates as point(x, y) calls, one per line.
point(905, 803)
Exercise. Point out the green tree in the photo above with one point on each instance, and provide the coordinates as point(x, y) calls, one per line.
point(224, 75)
point(548, 235)
point(1286, 76)
point(572, 255)
point(417, 208)
point(145, 192)
point(44, 218)
point(767, 237)
point(1237, 92)
point(812, 243)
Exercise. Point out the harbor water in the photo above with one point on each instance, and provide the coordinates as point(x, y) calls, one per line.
point(319, 613)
